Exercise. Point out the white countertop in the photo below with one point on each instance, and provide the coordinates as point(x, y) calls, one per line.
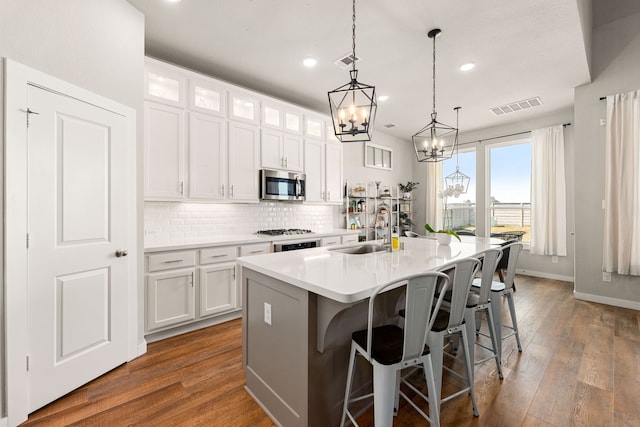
point(236, 239)
point(349, 278)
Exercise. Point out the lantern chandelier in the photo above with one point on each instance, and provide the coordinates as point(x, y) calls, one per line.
point(456, 183)
point(435, 142)
point(353, 105)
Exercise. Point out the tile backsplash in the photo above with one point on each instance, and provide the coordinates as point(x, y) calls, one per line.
point(166, 221)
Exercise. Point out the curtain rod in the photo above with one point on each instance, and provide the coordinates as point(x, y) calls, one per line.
point(502, 136)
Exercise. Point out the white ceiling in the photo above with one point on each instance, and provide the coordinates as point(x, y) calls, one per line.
point(522, 49)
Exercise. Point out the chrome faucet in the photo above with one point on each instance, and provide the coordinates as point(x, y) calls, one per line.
point(386, 241)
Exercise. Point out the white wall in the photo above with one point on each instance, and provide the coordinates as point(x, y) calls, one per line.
point(403, 159)
point(616, 69)
point(95, 44)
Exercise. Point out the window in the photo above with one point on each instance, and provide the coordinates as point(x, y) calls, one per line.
point(377, 156)
point(510, 190)
point(460, 212)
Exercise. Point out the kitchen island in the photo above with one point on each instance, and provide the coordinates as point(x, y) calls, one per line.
point(299, 310)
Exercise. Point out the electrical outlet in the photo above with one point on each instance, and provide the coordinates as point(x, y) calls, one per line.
point(554, 259)
point(606, 277)
point(267, 313)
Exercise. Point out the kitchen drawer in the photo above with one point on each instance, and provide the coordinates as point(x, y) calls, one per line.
point(330, 241)
point(171, 260)
point(214, 255)
point(257, 249)
point(349, 240)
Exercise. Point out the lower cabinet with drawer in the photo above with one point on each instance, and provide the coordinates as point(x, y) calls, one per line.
point(189, 289)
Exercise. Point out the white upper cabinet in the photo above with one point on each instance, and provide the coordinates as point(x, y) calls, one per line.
point(243, 106)
point(313, 127)
point(164, 151)
point(293, 121)
point(163, 84)
point(279, 150)
point(323, 170)
point(207, 157)
point(207, 97)
point(272, 116)
point(243, 162)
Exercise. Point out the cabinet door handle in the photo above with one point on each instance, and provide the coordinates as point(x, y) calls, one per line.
point(328, 199)
point(222, 190)
point(173, 260)
point(231, 191)
point(192, 279)
point(256, 252)
point(218, 256)
point(286, 162)
point(182, 188)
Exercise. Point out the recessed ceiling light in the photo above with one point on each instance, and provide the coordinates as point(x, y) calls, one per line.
point(174, 1)
point(383, 98)
point(309, 62)
point(468, 66)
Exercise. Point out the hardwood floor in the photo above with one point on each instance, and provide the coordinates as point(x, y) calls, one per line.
point(580, 365)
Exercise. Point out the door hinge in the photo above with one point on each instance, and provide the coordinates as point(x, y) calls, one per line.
point(27, 363)
point(29, 111)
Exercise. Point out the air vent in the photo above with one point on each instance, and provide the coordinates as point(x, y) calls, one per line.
point(390, 125)
point(346, 60)
point(516, 106)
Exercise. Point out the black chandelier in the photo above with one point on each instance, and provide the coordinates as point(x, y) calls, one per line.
point(456, 183)
point(436, 141)
point(353, 105)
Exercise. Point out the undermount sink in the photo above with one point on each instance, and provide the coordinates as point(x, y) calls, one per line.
point(359, 250)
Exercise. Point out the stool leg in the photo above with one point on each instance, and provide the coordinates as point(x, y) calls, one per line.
point(384, 381)
point(347, 392)
point(494, 340)
point(514, 321)
point(496, 311)
point(434, 403)
point(469, 369)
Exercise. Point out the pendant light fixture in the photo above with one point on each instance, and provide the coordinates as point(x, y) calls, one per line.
point(353, 105)
point(435, 142)
point(456, 183)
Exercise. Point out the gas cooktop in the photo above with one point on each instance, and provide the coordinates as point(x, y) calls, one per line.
point(280, 232)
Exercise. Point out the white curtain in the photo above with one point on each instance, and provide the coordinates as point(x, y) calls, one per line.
point(433, 214)
point(548, 192)
point(621, 252)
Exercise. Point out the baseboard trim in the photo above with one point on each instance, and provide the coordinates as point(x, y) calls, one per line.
point(545, 275)
point(607, 300)
point(189, 327)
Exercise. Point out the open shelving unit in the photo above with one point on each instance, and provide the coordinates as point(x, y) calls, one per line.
point(368, 207)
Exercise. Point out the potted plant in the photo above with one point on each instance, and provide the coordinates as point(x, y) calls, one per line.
point(405, 221)
point(443, 236)
point(407, 188)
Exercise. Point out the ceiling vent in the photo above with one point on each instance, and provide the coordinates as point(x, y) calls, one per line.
point(390, 125)
point(516, 106)
point(346, 60)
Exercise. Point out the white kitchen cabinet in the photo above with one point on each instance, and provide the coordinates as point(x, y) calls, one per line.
point(330, 241)
point(164, 152)
point(164, 84)
point(255, 249)
point(323, 169)
point(207, 97)
point(293, 121)
point(217, 289)
point(243, 106)
point(350, 239)
point(279, 150)
point(170, 298)
point(207, 157)
point(313, 127)
point(243, 163)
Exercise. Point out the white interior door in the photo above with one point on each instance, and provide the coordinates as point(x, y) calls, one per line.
point(77, 224)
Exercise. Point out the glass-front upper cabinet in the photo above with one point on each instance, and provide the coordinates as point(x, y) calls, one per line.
point(271, 115)
point(243, 106)
point(163, 84)
point(207, 97)
point(313, 127)
point(293, 121)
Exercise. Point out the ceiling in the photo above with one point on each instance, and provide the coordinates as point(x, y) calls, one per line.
point(521, 48)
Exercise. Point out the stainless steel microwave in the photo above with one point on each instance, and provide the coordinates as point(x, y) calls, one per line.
point(280, 185)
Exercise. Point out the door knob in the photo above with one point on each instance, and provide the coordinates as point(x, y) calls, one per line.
point(121, 252)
